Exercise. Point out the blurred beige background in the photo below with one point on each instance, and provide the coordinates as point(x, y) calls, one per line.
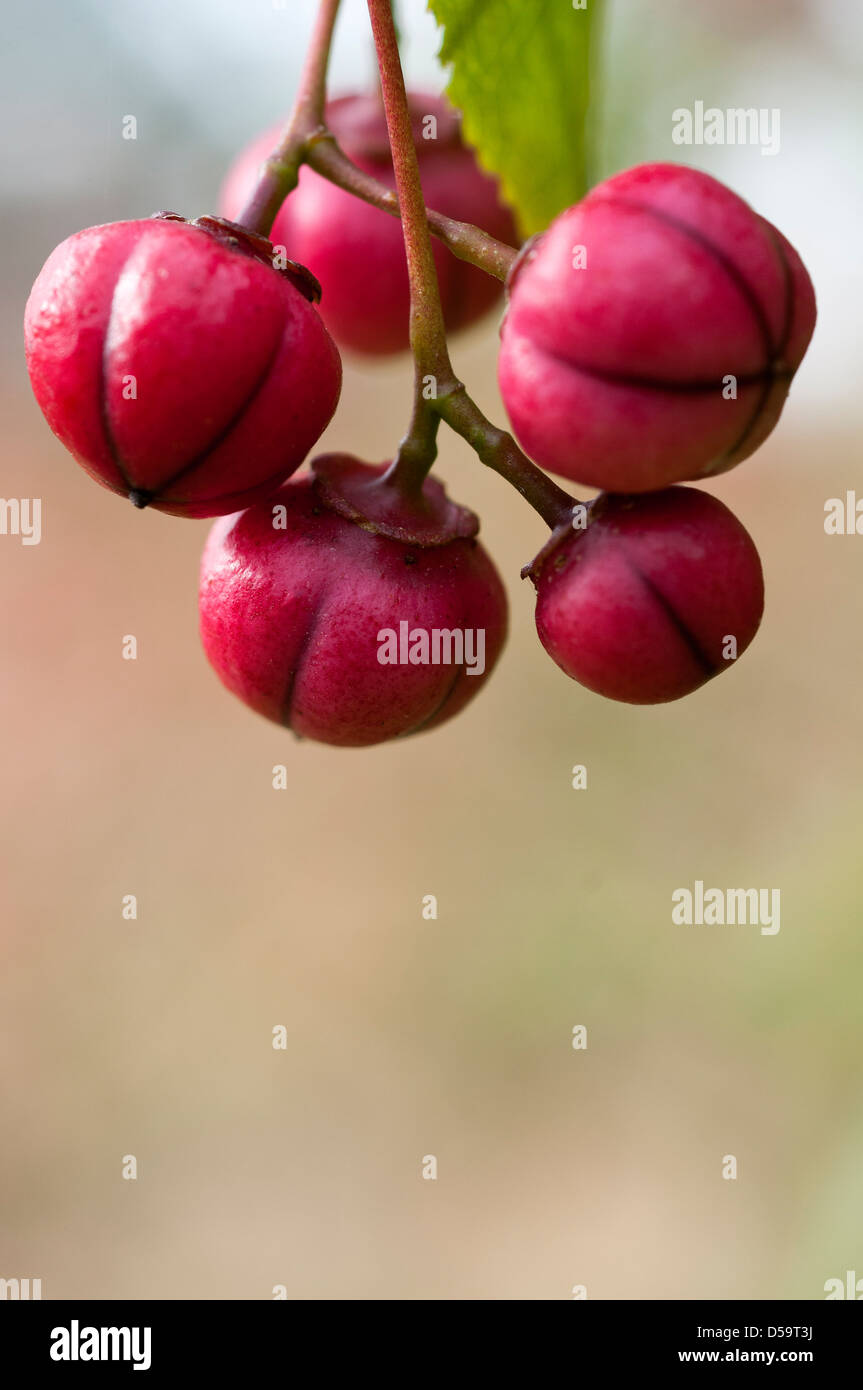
point(303, 907)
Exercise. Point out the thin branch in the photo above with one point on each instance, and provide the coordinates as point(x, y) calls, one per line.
point(418, 449)
point(428, 334)
point(499, 451)
point(281, 171)
point(465, 241)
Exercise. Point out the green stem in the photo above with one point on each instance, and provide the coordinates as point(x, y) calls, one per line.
point(281, 171)
point(418, 450)
point(499, 451)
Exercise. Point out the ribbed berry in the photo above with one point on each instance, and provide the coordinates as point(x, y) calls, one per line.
point(652, 332)
point(319, 619)
point(177, 365)
point(656, 595)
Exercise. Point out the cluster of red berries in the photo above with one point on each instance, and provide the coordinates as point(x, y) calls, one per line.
point(650, 337)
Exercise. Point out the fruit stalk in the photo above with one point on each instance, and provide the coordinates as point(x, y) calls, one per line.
point(450, 400)
point(428, 335)
point(499, 451)
point(281, 171)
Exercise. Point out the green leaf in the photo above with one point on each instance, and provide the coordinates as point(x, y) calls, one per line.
point(520, 78)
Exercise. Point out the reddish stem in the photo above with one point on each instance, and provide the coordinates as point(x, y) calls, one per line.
point(281, 171)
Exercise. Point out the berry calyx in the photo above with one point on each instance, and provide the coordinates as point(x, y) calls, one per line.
point(652, 332)
point(319, 615)
point(177, 364)
point(357, 251)
point(652, 598)
point(374, 499)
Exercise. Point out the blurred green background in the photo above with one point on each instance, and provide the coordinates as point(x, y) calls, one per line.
point(302, 907)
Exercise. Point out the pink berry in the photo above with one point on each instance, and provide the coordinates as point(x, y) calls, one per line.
point(357, 251)
point(177, 365)
point(626, 320)
point(311, 603)
point(652, 598)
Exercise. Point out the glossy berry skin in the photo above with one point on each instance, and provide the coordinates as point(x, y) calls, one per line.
point(615, 373)
point(638, 606)
point(357, 251)
point(177, 366)
point(291, 618)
